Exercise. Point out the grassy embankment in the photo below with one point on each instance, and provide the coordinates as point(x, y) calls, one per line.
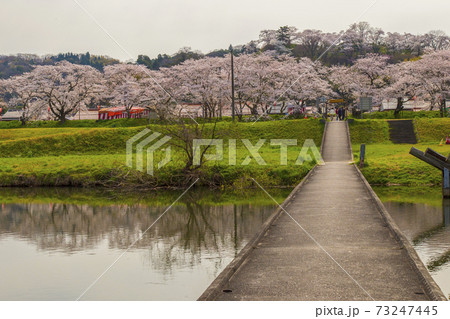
point(391, 164)
point(87, 156)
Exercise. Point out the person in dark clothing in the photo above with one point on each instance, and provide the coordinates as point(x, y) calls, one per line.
point(342, 113)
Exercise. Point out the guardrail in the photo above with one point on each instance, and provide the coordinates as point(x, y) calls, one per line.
point(438, 161)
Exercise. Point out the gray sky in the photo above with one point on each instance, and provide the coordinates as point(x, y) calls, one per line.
point(164, 26)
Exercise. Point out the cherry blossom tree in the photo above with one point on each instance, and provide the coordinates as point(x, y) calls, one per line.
point(162, 93)
point(65, 87)
point(356, 39)
point(303, 80)
point(205, 82)
point(404, 85)
point(407, 42)
point(258, 81)
point(311, 43)
point(61, 90)
point(23, 93)
point(261, 80)
point(344, 83)
point(126, 85)
point(433, 71)
point(371, 75)
point(428, 77)
point(437, 40)
point(267, 37)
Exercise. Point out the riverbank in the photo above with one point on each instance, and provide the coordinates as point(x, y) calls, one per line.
point(391, 164)
point(67, 156)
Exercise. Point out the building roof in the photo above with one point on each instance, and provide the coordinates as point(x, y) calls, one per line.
point(11, 116)
point(86, 115)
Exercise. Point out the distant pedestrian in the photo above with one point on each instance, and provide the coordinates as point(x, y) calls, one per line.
point(343, 114)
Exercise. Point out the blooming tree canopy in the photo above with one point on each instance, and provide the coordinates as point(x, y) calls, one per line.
point(126, 85)
point(370, 75)
point(205, 82)
point(23, 93)
point(433, 71)
point(60, 89)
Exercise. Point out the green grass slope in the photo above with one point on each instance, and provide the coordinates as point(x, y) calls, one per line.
point(391, 164)
point(96, 156)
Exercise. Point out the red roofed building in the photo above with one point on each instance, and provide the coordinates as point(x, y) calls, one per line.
point(121, 113)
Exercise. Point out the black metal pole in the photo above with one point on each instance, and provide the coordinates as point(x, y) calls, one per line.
point(232, 82)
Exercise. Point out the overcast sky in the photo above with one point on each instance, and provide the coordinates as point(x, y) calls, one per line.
point(164, 26)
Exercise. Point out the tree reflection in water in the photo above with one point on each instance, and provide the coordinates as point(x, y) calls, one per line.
point(191, 229)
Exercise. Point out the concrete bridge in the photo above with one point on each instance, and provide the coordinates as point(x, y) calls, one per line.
point(331, 239)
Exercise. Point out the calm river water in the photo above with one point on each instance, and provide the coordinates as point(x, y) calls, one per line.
point(55, 243)
point(424, 217)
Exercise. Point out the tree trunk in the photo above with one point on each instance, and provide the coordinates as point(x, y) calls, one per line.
point(62, 117)
point(399, 106)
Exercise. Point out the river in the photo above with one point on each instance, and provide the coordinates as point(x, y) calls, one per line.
point(424, 218)
point(54, 243)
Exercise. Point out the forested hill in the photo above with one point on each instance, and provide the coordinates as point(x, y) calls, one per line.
point(17, 64)
point(336, 48)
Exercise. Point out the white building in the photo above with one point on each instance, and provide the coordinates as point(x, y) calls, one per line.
point(11, 116)
point(412, 105)
point(85, 115)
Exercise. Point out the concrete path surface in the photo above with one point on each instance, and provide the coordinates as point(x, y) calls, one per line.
point(345, 250)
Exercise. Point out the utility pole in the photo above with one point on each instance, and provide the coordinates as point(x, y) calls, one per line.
point(232, 82)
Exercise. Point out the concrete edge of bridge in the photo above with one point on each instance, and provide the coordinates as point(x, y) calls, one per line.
point(323, 138)
point(216, 287)
point(431, 288)
point(352, 158)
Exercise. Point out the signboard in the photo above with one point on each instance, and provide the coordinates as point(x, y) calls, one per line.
point(336, 101)
point(365, 103)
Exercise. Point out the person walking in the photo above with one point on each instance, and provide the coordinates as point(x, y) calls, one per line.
point(342, 113)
